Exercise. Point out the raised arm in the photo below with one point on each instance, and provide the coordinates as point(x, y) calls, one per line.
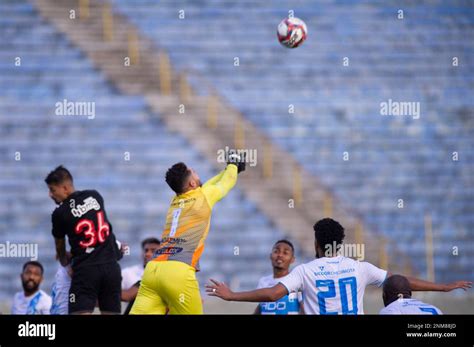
point(218, 186)
point(221, 290)
point(214, 179)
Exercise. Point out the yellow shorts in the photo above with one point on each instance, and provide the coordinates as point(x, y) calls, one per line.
point(168, 285)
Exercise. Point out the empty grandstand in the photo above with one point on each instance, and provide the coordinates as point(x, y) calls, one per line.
point(406, 181)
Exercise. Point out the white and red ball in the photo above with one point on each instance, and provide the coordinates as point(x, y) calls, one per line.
point(292, 32)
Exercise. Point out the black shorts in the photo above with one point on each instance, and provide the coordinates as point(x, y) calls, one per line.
point(92, 283)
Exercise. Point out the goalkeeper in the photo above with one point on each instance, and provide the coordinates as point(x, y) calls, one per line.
point(169, 281)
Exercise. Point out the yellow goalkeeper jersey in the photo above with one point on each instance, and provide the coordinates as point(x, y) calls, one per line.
point(189, 217)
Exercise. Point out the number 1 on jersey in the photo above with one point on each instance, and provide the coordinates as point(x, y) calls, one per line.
point(174, 223)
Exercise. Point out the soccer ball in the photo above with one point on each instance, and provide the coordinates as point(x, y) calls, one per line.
point(292, 32)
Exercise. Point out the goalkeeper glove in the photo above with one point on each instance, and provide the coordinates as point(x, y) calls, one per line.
point(236, 159)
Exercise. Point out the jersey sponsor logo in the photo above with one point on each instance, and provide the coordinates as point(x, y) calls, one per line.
point(169, 250)
point(287, 304)
point(180, 202)
point(274, 306)
point(173, 240)
point(89, 204)
point(334, 273)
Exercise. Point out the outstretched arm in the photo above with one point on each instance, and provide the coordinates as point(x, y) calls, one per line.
point(215, 179)
point(421, 285)
point(271, 294)
point(417, 284)
point(218, 186)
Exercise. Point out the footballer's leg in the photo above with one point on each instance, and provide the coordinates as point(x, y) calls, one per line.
point(84, 290)
point(110, 289)
point(148, 300)
point(181, 289)
point(186, 300)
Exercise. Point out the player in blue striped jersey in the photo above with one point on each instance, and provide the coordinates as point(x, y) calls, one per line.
point(282, 256)
point(60, 290)
point(31, 300)
point(332, 283)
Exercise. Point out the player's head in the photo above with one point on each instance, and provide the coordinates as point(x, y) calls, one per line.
point(328, 235)
point(31, 276)
point(395, 287)
point(60, 184)
point(283, 255)
point(149, 246)
point(181, 179)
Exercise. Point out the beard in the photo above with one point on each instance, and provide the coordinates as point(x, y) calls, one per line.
point(30, 286)
point(279, 267)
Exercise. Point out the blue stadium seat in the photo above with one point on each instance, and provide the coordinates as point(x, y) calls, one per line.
point(337, 108)
point(135, 193)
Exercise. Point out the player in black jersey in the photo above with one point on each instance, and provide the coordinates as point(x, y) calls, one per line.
point(96, 274)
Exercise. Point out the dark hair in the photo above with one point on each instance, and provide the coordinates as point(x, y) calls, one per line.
point(150, 240)
point(176, 176)
point(393, 286)
point(287, 242)
point(58, 175)
point(327, 231)
point(34, 263)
